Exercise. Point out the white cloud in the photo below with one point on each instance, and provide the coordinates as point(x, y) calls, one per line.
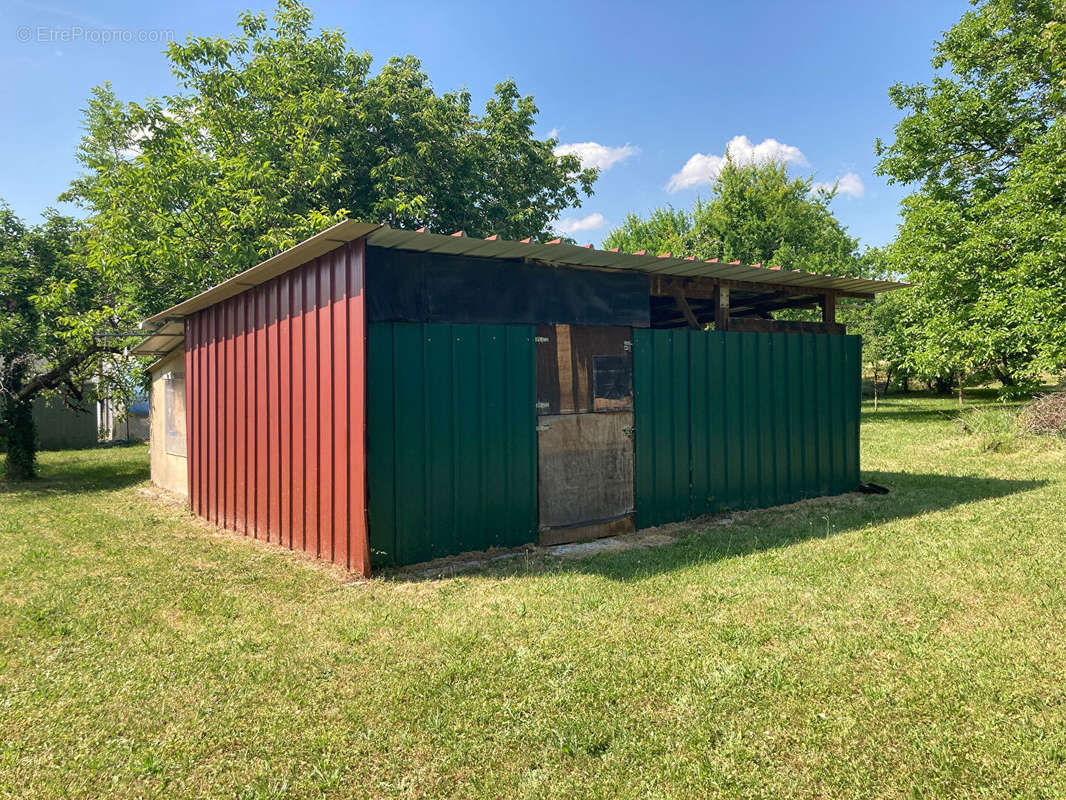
point(594, 154)
point(703, 168)
point(698, 170)
point(848, 185)
point(572, 225)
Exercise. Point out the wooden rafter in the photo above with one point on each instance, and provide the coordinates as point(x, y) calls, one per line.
point(686, 309)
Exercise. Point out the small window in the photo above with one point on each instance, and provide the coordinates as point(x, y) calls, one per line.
point(174, 413)
point(612, 383)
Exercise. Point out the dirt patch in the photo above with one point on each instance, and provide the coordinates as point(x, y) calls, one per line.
point(648, 537)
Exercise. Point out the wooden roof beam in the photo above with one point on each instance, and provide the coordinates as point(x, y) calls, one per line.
point(704, 288)
point(686, 309)
point(774, 305)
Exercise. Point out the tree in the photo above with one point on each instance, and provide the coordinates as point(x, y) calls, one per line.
point(666, 230)
point(55, 328)
point(983, 233)
point(277, 134)
point(757, 215)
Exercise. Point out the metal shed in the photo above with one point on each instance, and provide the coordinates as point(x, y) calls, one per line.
point(379, 396)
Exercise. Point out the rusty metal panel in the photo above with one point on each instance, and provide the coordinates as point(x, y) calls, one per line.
point(733, 420)
point(275, 387)
point(451, 446)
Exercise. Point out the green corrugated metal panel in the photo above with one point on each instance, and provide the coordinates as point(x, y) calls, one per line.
point(742, 420)
point(661, 440)
point(451, 439)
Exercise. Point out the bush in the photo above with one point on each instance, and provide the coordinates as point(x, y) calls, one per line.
point(1045, 415)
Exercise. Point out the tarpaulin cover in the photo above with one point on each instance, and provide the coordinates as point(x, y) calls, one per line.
point(404, 285)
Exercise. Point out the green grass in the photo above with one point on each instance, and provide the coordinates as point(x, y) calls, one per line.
point(909, 645)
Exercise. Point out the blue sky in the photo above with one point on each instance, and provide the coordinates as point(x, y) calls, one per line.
point(654, 91)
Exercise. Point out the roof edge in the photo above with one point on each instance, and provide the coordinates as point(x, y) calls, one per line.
point(554, 253)
point(309, 249)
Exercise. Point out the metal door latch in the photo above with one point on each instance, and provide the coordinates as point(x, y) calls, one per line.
point(628, 431)
point(541, 340)
point(544, 428)
point(627, 346)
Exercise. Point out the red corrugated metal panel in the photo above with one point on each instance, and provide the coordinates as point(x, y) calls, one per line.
point(230, 427)
point(299, 441)
point(285, 407)
point(276, 410)
point(262, 400)
point(325, 398)
point(240, 421)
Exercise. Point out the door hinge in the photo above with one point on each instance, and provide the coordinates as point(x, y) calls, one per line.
point(544, 428)
point(628, 431)
point(627, 346)
point(541, 340)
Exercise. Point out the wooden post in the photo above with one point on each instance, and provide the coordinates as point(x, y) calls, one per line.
point(721, 307)
point(829, 307)
point(565, 360)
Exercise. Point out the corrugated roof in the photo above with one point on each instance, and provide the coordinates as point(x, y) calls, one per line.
point(555, 253)
point(165, 339)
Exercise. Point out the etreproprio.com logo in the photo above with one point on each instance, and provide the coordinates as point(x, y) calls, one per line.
point(51, 34)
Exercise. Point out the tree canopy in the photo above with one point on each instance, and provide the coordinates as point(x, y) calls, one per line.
point(57, 327)
point(983, 234)
point(758, 215)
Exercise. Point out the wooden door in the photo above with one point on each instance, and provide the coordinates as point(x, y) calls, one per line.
point(585, 431)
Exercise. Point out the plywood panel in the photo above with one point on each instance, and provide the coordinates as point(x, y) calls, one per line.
point(586, 468)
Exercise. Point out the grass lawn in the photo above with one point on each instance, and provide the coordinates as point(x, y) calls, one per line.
point(909, 645)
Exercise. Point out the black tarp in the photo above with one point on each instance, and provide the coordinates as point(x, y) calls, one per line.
point(402, 285)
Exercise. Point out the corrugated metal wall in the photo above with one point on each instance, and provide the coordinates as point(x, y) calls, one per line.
point(275, 410)
point(451, 445)
point(742, 420)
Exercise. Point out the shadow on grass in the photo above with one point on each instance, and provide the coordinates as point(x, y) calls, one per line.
point(898, 413)
point(76, 476)
point(765, 529)
point(703, 541)
point(903, 408)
